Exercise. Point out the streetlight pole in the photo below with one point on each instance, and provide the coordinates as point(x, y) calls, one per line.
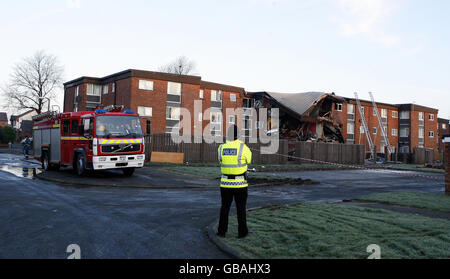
point(48, 99)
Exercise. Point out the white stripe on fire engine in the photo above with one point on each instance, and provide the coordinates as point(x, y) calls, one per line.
point(121, 141)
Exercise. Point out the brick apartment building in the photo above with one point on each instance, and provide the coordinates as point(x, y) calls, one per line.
point(407, 126)
point(443, 129)
point(157, 97)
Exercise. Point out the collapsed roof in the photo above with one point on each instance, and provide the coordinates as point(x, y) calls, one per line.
point(310, 114)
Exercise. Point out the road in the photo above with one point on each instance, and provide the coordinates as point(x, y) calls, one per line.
point(39, 219)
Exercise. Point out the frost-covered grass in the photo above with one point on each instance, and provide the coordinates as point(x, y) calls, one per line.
point(339, 231)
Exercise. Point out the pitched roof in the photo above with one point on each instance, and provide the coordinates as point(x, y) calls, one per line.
point(14, 117)
point(3, 116)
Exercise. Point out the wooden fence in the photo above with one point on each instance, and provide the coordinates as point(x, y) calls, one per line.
point(331, 152)
point(207, 152)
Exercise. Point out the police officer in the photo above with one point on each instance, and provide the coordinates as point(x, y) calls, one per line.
point(234, 156)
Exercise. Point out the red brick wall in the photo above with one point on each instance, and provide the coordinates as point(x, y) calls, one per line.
point(372, 122)
point(441, 132)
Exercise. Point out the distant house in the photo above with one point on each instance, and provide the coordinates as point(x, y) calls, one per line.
point(17, 122)
point(3, 119)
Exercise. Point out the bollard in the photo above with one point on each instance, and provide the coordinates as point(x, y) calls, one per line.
point(447, 165)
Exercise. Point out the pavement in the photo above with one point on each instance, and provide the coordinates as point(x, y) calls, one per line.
point(39, 219)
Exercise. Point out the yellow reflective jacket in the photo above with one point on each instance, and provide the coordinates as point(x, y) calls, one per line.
point(234, 156)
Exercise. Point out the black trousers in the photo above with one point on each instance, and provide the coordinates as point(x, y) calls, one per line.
point(240, 198)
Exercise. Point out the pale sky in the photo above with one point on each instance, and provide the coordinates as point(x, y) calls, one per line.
point(397, 49)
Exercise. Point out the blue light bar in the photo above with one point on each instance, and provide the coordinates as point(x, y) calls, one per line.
point(99, 111)
point(129, 111)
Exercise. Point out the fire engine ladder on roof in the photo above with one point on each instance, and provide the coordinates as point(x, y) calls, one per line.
point(366, 130)
point(380, 123)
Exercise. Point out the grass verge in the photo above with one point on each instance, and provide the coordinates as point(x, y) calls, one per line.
point(338, 231)
point(412, 199)
point(253, 177)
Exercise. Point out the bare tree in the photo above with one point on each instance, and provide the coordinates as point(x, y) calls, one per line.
point(181, 66)
point(34, 81)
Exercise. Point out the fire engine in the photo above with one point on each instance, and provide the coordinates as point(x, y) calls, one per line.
point(103, 139)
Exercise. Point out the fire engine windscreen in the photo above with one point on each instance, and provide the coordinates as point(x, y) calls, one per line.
point(116, 126)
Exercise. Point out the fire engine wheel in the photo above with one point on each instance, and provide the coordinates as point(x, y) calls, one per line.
point(128, 171)
point(80, 165)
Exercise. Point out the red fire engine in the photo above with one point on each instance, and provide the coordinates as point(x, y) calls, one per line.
point(96, 140)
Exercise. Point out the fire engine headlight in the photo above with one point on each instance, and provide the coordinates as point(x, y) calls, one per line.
point(102, 159)
point(140, 157)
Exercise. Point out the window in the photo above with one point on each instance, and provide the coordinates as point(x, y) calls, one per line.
point(145, 111)
point(431, 134)
point(174, 88)
point(404, 115)
point(145, 84)
point(233, 97)
point(420, 115)
point(362, 109)
point(338, 107)
point(404, 132)
point(94, 89)
point(394, 114)
point(374, 111)
point(384, 113)
point(66, 127)
point(374, 130)
point(105, 89)
point(173, 113)
point(394, 132)
point(74, 126)
point(113, 89)
point(200, 117)
point(216, 95)
point(444, 126)
point(350, 128)
point(200, 95)
point(216, 117)
point(431, 117)
point(361, 129)
point(404, 149)
point(421, 133)
point(350, 109)
point(148, 128)
point(231, 119)
point(75, 102)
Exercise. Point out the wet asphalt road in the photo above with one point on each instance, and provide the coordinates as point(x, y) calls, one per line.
point(39, 219)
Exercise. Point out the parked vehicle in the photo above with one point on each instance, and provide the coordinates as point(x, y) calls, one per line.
point(91, 140)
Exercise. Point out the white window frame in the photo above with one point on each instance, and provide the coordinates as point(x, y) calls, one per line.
point(170, 86)
point(431, 134)
point(232, 119)
point(146, 85)
point(353, 109)
point(404, 132)
point(233, 97)
point(444, 126)
point(338, 106)
point(94, 90)
point(179, 113)
point(200, 116)
point(216, 95)
point(105, 89)
point(384, 113)
point(374, 130)
point(350, 128)
point(394, 132)
point(394, 114)
point(361, 129)
point(200, 94)
point(113, 88)
point(145, 111)
point(431, 117)
point(405, 114)
point(218, 115)
point(421, 133)
point(421, 115)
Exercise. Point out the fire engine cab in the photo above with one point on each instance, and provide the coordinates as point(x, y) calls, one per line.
point(94, 140)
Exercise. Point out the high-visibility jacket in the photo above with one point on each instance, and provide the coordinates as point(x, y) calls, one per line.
point(234, 156)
